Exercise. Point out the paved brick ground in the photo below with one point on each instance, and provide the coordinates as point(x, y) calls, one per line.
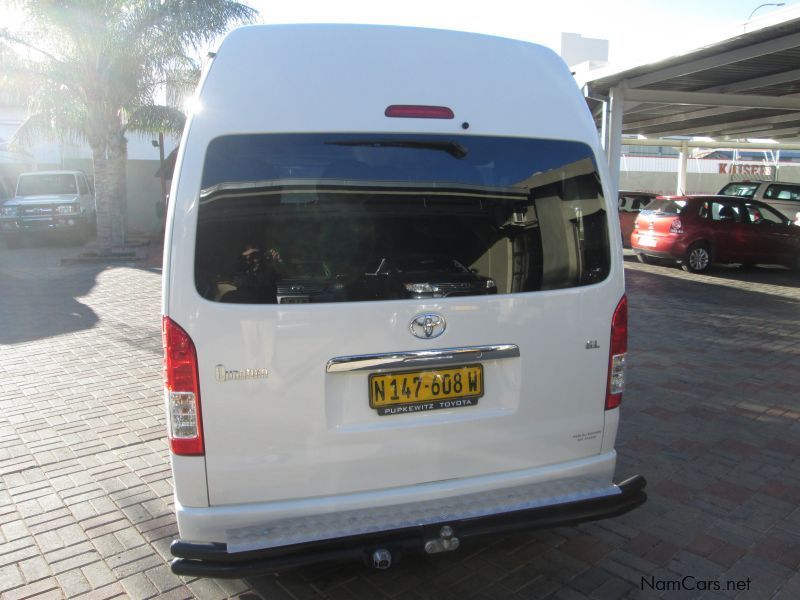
point(711, 418)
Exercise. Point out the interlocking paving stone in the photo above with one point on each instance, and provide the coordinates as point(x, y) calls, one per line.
point(711, 417)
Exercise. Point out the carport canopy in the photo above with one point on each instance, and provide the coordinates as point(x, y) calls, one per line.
point(746, 86)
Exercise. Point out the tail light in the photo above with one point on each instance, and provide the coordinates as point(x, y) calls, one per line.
point(617, 354)
point(183, 391)
point(676, 226)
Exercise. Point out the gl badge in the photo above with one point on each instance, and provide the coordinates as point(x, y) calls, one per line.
point(428, 325)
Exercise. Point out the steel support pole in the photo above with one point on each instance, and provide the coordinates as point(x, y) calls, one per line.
point(604, 126)
point(681, 189)
point(614, 147)
point(655, 141)
point(790, 102)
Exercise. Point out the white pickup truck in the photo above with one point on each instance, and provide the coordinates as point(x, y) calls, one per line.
point(59, 203)
point(780, 195)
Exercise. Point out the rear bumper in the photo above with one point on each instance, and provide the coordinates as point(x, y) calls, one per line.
point(667, 246)
point(214, 559)
point(655, 253)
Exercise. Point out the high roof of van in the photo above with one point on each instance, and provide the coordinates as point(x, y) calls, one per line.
point(341, 78)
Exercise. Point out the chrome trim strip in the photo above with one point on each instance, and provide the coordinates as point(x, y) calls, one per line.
point(420, 358)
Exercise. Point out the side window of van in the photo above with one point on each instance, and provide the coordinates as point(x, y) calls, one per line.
point(298, 218)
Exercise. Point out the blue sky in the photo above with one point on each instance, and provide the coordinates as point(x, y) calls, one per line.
point(638, 30)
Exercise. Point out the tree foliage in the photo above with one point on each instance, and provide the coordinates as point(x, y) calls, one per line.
point(94, 69)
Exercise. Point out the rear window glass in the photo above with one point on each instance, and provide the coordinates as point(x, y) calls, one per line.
point(306, 218)
point(38, 185)
point(665, 206)
point(746, 190)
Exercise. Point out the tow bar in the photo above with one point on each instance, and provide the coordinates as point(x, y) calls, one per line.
point(446, 542)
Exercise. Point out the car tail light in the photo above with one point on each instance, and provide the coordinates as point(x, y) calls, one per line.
point(183, 391)
point(416, 111)
point(676, 226)
point(617, 354)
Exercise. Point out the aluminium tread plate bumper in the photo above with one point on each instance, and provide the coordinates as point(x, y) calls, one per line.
point(214, 560)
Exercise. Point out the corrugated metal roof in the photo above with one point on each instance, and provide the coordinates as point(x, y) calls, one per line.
point(764, 62)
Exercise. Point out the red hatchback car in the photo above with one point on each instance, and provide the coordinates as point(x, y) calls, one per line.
point(698, 230)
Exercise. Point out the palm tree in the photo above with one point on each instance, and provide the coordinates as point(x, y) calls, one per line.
point(93, 69)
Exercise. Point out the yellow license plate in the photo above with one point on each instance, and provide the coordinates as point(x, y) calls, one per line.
point(431, 389)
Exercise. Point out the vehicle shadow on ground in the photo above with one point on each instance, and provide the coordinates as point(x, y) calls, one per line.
point(39, 295)
point(480, 564)
point(35, 305)
point(761, 274)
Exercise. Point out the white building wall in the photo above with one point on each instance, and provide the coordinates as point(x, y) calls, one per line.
point(704, 176)
point(576, 49)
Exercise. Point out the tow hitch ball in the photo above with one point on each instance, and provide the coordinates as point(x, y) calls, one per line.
point(446, 542)
point(381, 559)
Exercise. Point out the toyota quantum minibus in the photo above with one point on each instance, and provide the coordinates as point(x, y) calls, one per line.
point(394, 306)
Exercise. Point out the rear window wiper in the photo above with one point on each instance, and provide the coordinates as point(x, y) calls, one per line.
point(454, 149)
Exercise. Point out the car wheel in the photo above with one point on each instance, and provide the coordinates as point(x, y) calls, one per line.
point(647, 260)
point(795, 264)
point(698, 259)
